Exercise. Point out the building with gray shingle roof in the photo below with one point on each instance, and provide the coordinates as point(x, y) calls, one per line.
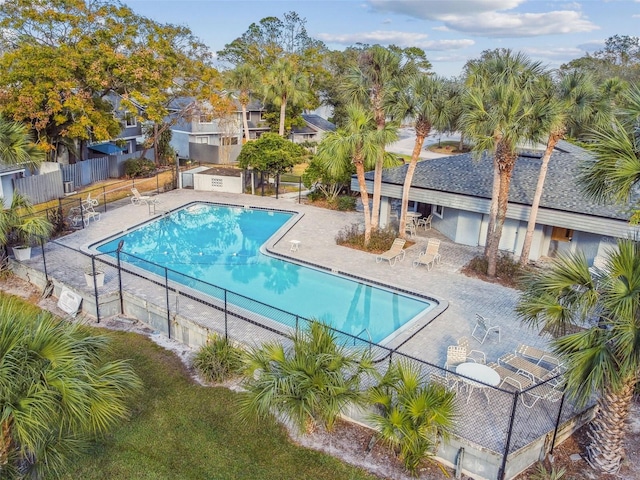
point(457, 191)
point(314, 129)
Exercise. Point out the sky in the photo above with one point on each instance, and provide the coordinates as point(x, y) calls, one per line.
point(451, 32)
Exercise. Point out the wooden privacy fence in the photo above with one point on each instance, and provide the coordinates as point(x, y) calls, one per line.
point(50, 186)
point(41, 188)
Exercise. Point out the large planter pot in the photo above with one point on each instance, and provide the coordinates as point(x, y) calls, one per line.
point(22, 253)
point(99, 279)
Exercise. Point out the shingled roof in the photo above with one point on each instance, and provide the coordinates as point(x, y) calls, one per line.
point(463, 175)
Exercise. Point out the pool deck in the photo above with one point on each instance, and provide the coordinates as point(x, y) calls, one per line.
point(316, 230)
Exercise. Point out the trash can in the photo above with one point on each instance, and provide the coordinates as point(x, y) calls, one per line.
point(68, 187)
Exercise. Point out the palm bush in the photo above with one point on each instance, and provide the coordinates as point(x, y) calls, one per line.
point(218, 360)
point(310, 380)
point(602, 307)
point(56, 391)
point(413, 414)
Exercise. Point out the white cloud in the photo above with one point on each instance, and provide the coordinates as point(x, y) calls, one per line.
point(386, 21)
point(401, 39)
point(489, 18)
point(435, 10)
point(556, 54)
point(523, 25)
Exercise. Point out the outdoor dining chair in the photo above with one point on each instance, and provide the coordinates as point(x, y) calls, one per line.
point(425, 222)
point(483, 328)
point(474, 355)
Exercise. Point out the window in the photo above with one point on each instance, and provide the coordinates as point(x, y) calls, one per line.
point(205, 118)
point(561, 234)
point(130, 120)
point(263, 116)
point(438, 211)
point(248, 115)
point(202, 139)
point(229, 141)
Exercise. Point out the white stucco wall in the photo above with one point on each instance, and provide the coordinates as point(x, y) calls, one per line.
point(217, 183)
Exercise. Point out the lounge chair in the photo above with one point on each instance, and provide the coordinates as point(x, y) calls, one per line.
point(510, 378)
point(537, 355)
point(391, 255)
point(430, 256)
point(525, 367)
point(483, 328)
point(138, 199)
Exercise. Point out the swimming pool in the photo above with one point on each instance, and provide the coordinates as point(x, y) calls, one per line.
point(221, 245)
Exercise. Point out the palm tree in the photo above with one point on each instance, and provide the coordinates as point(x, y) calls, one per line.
point(19, 225)
point(57, 391)
point(573, 102)
point(604, 355)
point(425, 100)
point(311, 381)
point(413, 414)
point(359, 142)
point(614, 172)
point(244, 79)
point(16, 145)
point(283, 85)
point(380, 73)
point(498, 117)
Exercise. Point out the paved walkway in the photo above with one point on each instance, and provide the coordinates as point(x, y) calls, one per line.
point(317, 229)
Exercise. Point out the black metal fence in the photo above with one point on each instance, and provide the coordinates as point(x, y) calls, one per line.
point(501, 419)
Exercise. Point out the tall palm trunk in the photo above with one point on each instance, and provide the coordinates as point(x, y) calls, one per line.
point(6, 443)
point(506, 162)
point(408, 179)
point(377, 174)
point(493, 207)
point(531, 225)
point(495, 189)
point(364, 195)
point(608, 428)
point(245, 122)
point(283, 109)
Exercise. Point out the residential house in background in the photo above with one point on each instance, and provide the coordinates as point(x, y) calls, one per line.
point(203, 138)
point(316, 127)
point(130, 139)
point(457, 191)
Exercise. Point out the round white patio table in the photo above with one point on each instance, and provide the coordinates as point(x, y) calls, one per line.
point(483, 375)
point(413, 216)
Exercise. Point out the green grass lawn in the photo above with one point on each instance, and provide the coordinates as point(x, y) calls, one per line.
point(181, 430)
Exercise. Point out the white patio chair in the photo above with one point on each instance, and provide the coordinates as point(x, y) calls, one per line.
point(483, 328)
point(425, 222)
point(139, 199)
point(394, 253)
point(474, 355)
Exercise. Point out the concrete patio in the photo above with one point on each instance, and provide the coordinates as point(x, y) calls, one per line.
point(459, 296)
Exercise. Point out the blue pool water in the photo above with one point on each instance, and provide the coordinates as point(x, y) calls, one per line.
point(221, 245)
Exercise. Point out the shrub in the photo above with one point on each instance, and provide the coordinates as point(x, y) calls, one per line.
point(353, 236)
point(218, 360)
point(139, 167)
point(346, 203)
point(508, 271)
point(413, 414)
point(312, 378)
point(315, 196)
